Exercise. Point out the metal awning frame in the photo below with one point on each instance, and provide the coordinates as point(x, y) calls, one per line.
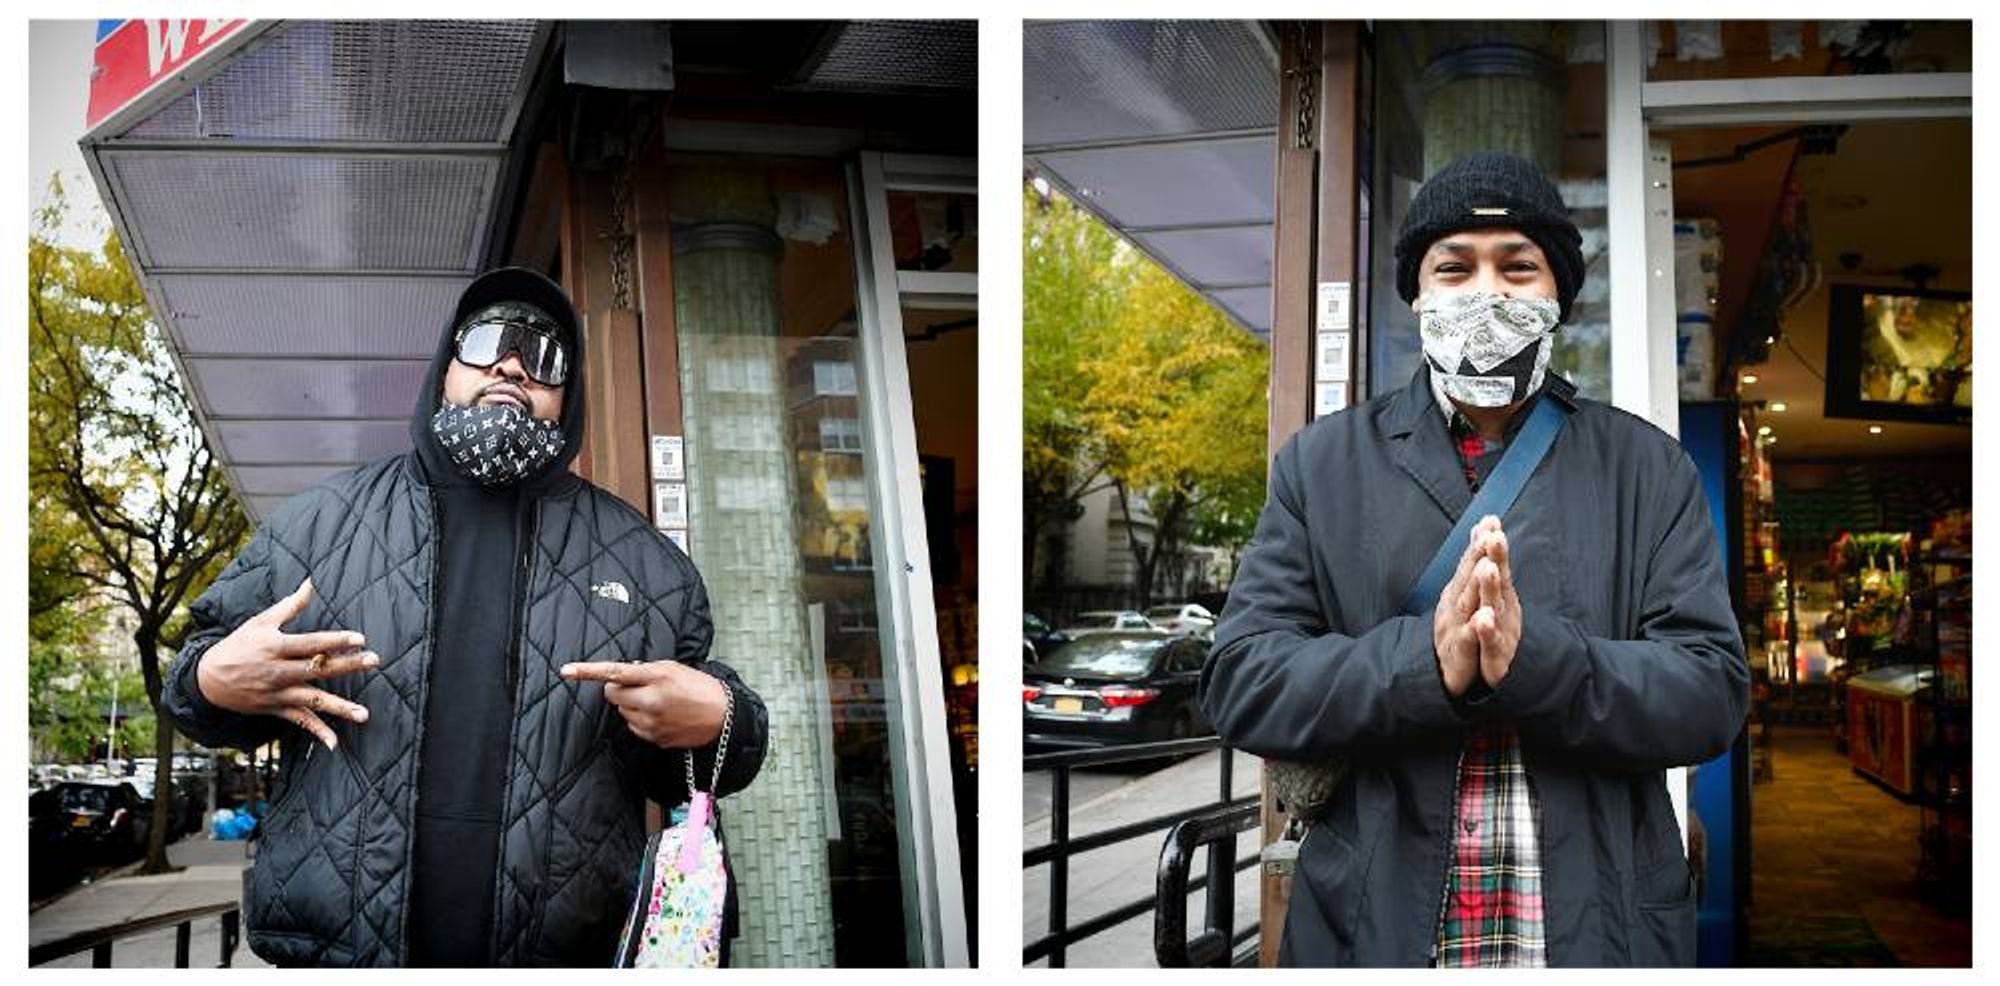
point(104, 138)
point(1129, 234)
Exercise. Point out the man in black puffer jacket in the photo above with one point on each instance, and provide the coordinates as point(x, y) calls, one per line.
point(469, 788)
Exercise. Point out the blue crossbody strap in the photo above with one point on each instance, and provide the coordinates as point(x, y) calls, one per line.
point(1502, 488)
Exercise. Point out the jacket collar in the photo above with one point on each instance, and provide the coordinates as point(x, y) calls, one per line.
point(1423, 445)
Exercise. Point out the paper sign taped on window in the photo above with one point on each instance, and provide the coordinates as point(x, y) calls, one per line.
point(1328, 398)
point(670, 505)
point(1334, 313)
point(1332, 364)
point(667, 461)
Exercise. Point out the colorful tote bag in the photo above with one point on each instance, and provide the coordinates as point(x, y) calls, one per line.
point(675, 921)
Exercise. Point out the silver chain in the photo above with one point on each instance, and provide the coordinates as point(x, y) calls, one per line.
point(721, 745)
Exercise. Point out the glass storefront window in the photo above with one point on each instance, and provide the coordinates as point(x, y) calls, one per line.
point(780, 525)
point(1445, 89)
point(1743, 49)
point(934, 231)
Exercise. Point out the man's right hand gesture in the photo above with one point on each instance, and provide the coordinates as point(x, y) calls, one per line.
point(1453, 633)
point(261, 670)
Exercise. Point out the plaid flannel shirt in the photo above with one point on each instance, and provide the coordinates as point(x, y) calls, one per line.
point(1491, 914)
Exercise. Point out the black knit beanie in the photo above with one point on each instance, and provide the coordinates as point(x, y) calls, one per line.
point(1491, 189)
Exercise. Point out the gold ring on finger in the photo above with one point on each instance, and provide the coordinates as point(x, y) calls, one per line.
point(318, 663)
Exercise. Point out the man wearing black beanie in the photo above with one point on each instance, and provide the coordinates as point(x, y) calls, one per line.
point(1501, 743)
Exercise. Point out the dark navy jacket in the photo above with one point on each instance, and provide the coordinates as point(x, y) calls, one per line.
point(1630, 662)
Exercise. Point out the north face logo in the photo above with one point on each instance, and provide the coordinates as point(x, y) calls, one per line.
point(611, 590)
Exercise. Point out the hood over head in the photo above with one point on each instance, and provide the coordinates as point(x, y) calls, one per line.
point(504, 284)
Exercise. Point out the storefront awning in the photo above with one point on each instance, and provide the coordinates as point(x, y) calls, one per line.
point(1167, 131)
point(302, 202)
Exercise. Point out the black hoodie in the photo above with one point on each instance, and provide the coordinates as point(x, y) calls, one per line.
point(475, 616)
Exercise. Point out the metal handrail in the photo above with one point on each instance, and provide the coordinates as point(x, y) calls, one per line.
point(1119, 754)
point(1215, 946)
point(1060, 847)
point(98, 941)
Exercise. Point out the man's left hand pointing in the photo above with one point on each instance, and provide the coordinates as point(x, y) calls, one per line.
point(665, 703)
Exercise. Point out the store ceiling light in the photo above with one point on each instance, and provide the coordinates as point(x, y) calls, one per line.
point(1749, 378)
point(1764, 429)
point(1874, 429)
point(1778, 406)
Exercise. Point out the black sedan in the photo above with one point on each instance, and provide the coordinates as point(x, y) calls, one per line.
point(54, 860)
point(107, 821)
point(1114, 688)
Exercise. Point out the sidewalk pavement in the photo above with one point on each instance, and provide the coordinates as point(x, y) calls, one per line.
point(1104, 879)
point(213, 876)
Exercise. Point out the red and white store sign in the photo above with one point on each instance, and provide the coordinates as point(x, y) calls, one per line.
point(135, 56)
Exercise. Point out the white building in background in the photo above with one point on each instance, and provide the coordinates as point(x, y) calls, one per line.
point(1095, 552)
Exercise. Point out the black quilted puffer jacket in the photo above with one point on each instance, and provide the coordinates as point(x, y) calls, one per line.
point(330, 882)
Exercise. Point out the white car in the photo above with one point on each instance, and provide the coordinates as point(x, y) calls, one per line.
point(1100, 621)
point(1181, 617)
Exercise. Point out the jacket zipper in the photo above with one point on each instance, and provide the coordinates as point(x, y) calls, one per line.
point(516, 626)
point(1451, 850)
point(423, 706)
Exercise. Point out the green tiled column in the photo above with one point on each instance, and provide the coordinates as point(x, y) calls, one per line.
point(1494, 86)
point(745, 539)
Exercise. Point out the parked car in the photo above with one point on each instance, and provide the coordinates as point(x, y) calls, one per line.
point(109, 821)
point(1041, 638)
point(1181, 617)
point(1112, 688)
point(54, 859)
point(1102, 620)
point(189, 802)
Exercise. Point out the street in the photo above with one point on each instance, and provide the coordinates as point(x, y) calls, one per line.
point(1105, 879)
point(213, 875)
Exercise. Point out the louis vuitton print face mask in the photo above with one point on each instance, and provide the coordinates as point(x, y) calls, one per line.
point(497, 445)
point(1487, 350)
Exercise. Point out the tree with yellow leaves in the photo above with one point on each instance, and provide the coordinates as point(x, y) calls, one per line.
point(1132, 379)
point(131, 507)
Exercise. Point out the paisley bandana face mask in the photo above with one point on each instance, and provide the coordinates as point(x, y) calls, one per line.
point(496, 445)
point(1486, 350)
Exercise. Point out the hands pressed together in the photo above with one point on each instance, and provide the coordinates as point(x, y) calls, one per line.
point(1478, 622)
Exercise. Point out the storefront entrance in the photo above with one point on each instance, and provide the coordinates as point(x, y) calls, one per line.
point(1776, 222)
point(823, 508)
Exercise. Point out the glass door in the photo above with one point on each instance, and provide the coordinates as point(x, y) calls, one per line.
point(803, 478)
point(919, 274)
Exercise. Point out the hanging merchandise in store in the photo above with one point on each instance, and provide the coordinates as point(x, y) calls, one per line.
point(1764, 572)
point(1697, 289)
point(1874, 574)
point(1941, 637)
